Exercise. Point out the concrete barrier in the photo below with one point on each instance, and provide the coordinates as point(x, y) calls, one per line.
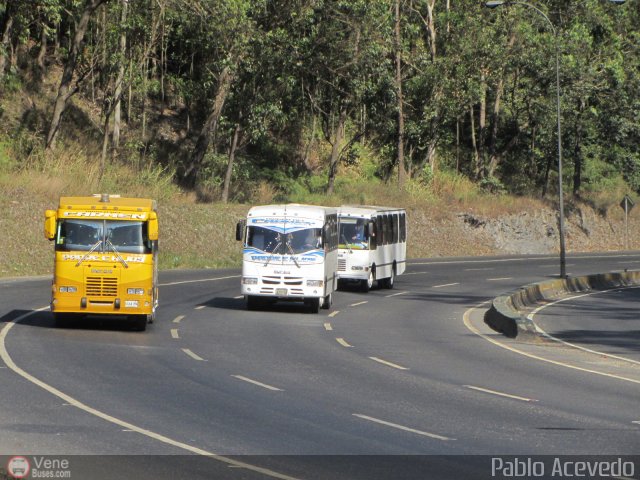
point(507, 312)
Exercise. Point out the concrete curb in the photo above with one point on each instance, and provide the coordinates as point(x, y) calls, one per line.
point(507, 312)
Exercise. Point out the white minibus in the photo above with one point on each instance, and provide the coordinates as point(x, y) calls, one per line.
point(372, 245)
point(290, 253)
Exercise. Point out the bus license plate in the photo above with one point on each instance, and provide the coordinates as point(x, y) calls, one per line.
point(281, 291)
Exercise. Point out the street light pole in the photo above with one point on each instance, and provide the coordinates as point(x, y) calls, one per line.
point(494, 4)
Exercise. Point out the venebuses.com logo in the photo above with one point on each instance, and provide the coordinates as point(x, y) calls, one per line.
point(18, 467)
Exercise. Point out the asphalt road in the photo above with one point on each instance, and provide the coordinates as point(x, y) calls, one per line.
point(606, 322)
point(389, 384)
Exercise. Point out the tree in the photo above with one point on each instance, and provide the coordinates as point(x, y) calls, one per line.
point(65, 89)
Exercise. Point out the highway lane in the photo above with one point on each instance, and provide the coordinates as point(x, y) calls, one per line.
point(605, 322)
point(391, 372)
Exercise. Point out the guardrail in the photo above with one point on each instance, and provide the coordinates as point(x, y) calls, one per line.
point(507, 313)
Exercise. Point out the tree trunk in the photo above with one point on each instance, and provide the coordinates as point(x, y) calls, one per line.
point(209, 128)
point(402, 171)
point(42, 51)
point(105, 141)
point(494, 156)
point(482, 126)
point(119, 80)
point(477, 167)
point(5, 43)
point(232, 156)
point(307, 149)
point(65, 91)
point(335, 150)
point(577, 169)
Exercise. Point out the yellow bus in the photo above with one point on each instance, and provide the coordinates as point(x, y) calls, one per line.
point(105, 258)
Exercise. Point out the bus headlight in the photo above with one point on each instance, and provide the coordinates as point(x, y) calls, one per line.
point(249, 281)
point(135, 291)
point(315, 283)
point(68, 289)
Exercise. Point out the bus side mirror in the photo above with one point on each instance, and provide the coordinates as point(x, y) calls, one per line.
point(50, 219)
point(240, 230)
point(153, 226)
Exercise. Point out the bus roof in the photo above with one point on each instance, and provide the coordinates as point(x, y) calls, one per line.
point(365, 210)
point(107, 202)
point(291, 209)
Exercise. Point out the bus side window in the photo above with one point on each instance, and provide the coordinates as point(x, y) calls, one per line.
point(396, 233)
point(373, 238)
point(379, 231)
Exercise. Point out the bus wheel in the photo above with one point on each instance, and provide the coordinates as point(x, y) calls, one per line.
point(253, 302)
point(388, 282)
point(327, 302)
point(139, 322)
point(63, 320)
point(313, 304)
point(368, 283)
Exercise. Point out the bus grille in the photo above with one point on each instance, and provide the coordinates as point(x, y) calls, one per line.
point(102, 286)
point(342, 265)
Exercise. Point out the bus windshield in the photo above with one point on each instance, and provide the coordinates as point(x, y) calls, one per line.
point(353, 234)
point(292, 243)
point(102, 236)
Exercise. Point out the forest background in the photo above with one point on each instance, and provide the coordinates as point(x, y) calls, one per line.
point(444, 107)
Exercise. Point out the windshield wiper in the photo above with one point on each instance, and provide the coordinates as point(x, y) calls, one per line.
point(275, 249)
point(293, 254)
point(118, 256)
point(89, 253)
point(346, 242)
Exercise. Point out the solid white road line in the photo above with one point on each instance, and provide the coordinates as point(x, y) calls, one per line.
point(178, 319)
point(174, 333)
point(499, 278)
point(402, 427)
point(6, 358)
point(193, 355)
point(501, 394)
point(259, 384)
point(388, 364)
point(466, 318)
point(579, 347)
point(343, 342)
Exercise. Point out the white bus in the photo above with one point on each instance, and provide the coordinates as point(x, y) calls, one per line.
point(290, 253)
point(372, 245)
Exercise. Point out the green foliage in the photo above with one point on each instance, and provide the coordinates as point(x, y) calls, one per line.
point(478, 90)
